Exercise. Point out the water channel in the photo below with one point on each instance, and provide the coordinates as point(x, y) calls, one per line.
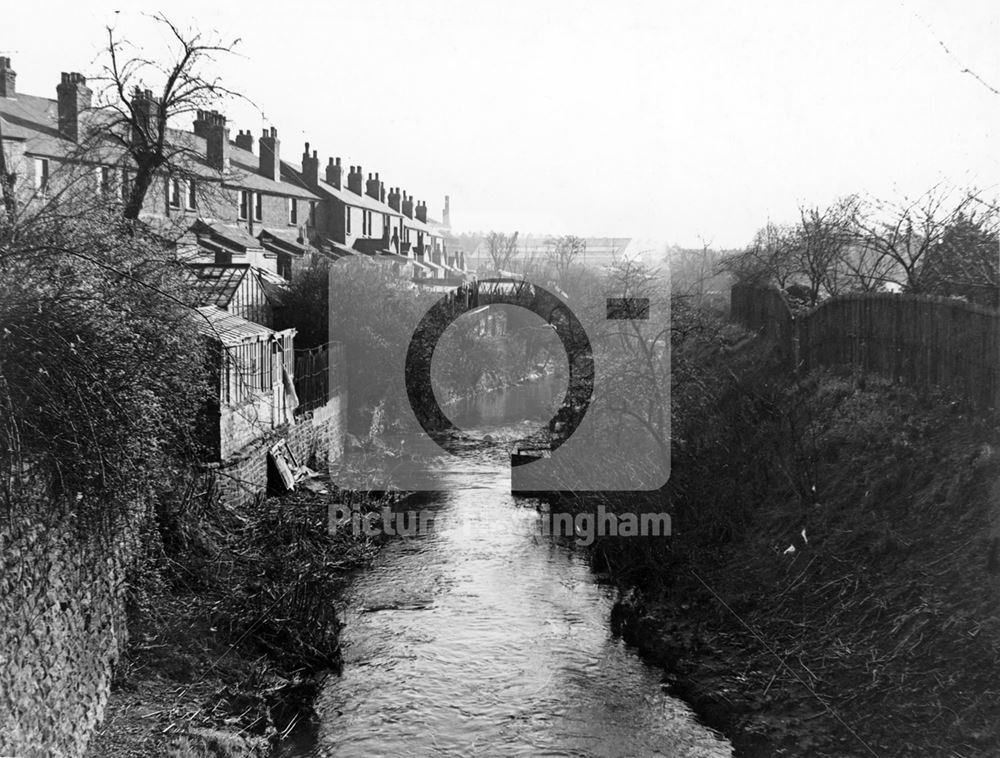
point(484, 638)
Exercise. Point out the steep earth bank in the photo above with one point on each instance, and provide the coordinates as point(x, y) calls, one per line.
point(831, 585)
point(233, 630)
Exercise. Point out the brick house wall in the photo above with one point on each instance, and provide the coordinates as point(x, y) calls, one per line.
point(315, 439)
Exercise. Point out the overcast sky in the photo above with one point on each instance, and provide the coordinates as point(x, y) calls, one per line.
point(667, 120)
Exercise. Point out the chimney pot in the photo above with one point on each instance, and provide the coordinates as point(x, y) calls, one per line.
point(333, 173)
point(217, 142)
point(310, 167)
point(355, 179)
point(270, 155)
point(393, 198)
point(372, 186)
point(73, 97)
point(244, 140)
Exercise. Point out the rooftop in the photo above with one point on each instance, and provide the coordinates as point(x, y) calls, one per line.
point(35, 121)
point(215, 284)
point(224, 327)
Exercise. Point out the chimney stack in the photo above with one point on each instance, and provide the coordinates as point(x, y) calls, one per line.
point(407, 205)
point(371, 186)
point(354, 180)
point(422, 211)
point(393, 198)
point(310, 167)
point(7, 79)
point(270, 154)
point(446, 216)
point(381, 192)
point(144, 105)
point(73, 97)
point(244, 140)
point(211, 126)
point(333, 171)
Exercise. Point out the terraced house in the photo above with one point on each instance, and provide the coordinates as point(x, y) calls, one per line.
point(244, 220)
point(241, 226)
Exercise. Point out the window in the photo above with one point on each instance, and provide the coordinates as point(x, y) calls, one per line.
point(174, 193)
point(42, 174)
point(258, 207)
point(249, 370)
point(293, 211)
point(312, 213)
point(347, 216)
point(244, 205)
point(104, 179)
point(191, 201)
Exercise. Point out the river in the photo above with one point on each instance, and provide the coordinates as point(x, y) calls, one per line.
point(480, 637)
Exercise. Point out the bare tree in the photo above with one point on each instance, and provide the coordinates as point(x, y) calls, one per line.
point(638, 348)
point(137, 118)
point(502, 249)
point(768, 259)
point(966, 260)
point(563, 252)
point(693, 271)
point(862, 268)
point(822, 237)
point(905, 232)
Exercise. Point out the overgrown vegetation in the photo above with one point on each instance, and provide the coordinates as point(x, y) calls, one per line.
point(942, 242)
point(233, 634)
point(103, 374)
point(823, 591)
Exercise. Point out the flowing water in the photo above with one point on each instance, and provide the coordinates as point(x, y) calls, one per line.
point(480, 637)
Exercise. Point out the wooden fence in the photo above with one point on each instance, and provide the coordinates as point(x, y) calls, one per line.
point(315, 382)
point(921, 340)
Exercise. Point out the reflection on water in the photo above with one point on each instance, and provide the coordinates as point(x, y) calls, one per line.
point(535, 402)
point(482, 638)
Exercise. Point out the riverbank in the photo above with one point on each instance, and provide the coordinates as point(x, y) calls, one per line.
point(831, 585)
point(233, 632)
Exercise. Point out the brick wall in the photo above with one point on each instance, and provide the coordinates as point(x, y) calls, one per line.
point(62, 628)
point(316, 439)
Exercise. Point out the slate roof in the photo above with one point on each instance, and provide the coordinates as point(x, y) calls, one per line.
point(36, 121)
point(224, 327)
point(12, 131)
point(283, 241)
point(369, 246)
point(420, 226)
point(293, 172)
point(231, 236)
point(245, 175)
point(336, 251)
